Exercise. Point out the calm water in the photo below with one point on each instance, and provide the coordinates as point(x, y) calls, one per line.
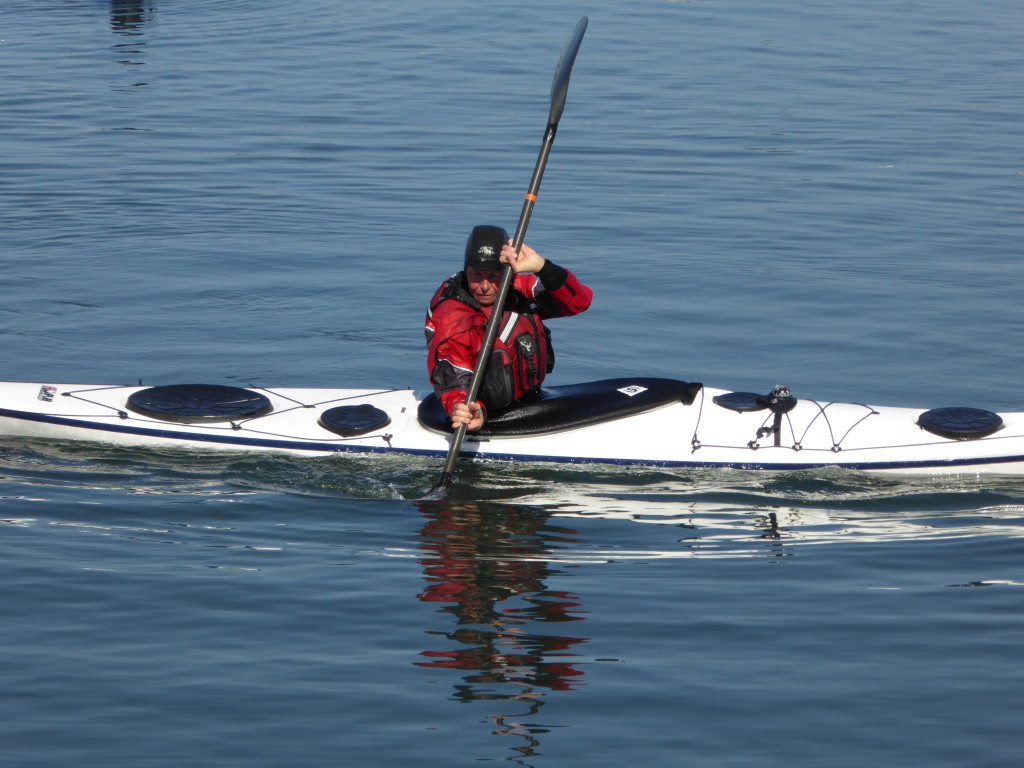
point(235, 191)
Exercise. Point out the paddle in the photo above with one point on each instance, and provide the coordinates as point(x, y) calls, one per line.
point(559, 89)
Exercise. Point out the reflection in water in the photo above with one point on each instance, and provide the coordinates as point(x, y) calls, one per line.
point(777, 516)
point(487, 564)
point(128, 17)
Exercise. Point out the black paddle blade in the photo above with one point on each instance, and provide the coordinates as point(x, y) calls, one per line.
point(440, 486)
point(560, 82)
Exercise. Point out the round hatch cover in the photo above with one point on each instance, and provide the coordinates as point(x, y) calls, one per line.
point(960, 423)
point(741, 401)
point(353, 420)
point(191, 403)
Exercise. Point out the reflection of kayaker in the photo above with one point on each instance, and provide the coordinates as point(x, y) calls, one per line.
point(475, 559)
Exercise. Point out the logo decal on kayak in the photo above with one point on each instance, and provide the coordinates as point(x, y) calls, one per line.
point(46, 393)
point(632, 390)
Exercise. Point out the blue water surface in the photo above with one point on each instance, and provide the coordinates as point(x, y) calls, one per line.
point(826, 195)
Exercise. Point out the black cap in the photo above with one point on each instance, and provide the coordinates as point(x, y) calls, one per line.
point(483, 248)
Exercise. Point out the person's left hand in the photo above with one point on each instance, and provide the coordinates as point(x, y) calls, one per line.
point(527, 260)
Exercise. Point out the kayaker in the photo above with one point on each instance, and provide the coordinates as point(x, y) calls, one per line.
point(522, 353)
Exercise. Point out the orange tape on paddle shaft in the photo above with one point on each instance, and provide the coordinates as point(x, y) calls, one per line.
point(531, 198)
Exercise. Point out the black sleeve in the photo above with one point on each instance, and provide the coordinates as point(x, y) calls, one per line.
point(552, 276)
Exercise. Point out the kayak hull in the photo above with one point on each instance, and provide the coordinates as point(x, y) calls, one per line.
point(701, 433)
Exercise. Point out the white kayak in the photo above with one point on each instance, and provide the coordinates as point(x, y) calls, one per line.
point(633, 421)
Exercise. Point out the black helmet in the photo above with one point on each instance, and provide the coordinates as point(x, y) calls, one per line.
point(483, 248)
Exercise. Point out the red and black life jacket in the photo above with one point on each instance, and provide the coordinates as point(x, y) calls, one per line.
point(455, 330)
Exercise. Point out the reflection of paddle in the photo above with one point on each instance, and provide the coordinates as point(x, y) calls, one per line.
point(559, 89)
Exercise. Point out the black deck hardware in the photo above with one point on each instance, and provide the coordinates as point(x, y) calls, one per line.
point(779, 401)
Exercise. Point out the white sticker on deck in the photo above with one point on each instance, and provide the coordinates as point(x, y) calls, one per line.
point(632, 390)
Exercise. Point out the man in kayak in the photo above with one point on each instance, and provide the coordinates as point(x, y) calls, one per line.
point(522, 353)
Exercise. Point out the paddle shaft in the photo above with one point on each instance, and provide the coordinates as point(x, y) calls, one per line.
point(494, 321)
point(559, 88)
